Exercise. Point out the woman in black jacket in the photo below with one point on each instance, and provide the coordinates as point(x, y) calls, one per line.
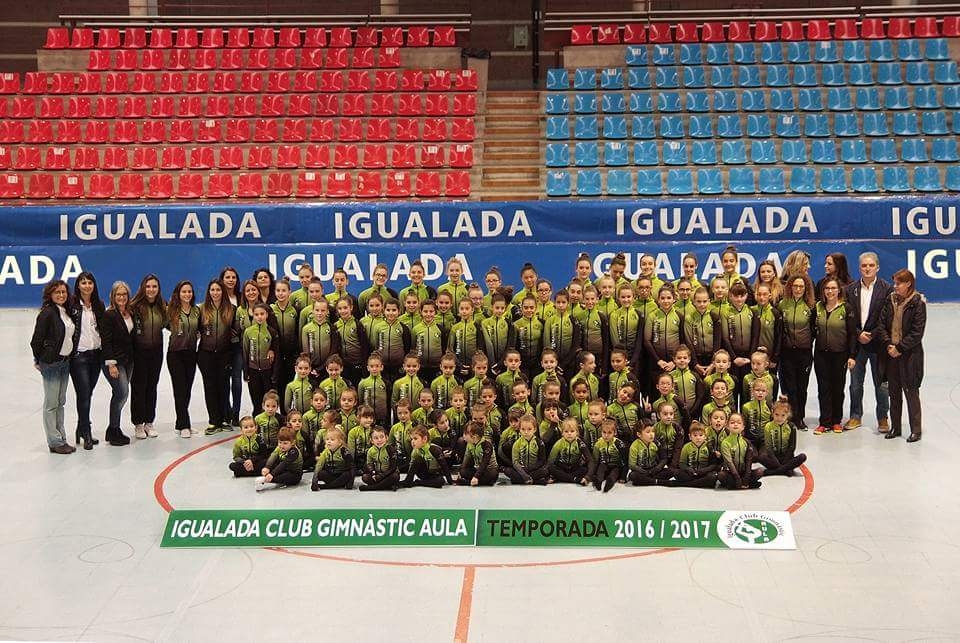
point(903, 320)
point(116, 335)
point(87, 314)
point(54, 337)
point(149, 319)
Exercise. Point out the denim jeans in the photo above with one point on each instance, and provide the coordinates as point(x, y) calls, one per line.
point(84, 372)
point(55, 376)
point(857, 377)
point(120, 391)
point(233, 383)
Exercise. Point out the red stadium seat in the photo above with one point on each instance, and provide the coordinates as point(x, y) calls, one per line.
point(321, 130)
point(428, 184)
point(381, 104)
point(899, 28)
point(116, 83)
point(437, 105)
point(264, 38)
point(391, 37)
point(659, 32)
point(403, 156)
point(367, 37)
point(288, 156)
point(225, 83)
point(250, 185)
point(461, 129)
point(311, 59)
point(764, 30)
point(278, 82)
point(951, 26)
point(173, 158)
point(418, 36)
point(432, 156)
point(608, 34)
point(818, 30)
point(56, 158)
point(99, 60)
point(686, 32)
point(177, 60)
point(101, 186)
point(81, 38)
point(35, 82)
point(398, 184)
point(130, 186)
point(314, 38)
point(28, 158)
point(378, 129)
point(64, 82)
point(70, 186)
point(266, 130)
point(170, 83)
point(11, 131)
point(792, 30)
point(635, 33)
point(133, 107)
point(23, 107)
point(201, 158)
point(153, 131)
point(211, 38)
point(67, 132)
point(272, 105)
point(126, 60)
point(38, 132)
point(230, 157)
point(284, 59)
point(189, 107)
point(204, 59)
point(354, 105)
point(231, 59)
point(369, 185)
point(435, 129)
point(257, 59)
point(461, 155)
point(374, 156)
point(410, 105)
point(217, 107)
point(306, 81)
point(219, 186)
point(79, 107)
point(106, 107)
point(411, 80)
point(327, 105)
point(317, 156)
point(144, 83)
point(244, 106)
point(712, 32)
point(339, 184)
point(40, 186)
point(161, 107)
point(181, 131)
point(465, 80)
point(159, 186)
point(300, 105)
point(388, 57)
point(208, 131)
point(350, 129)
point(444, 36)
point(581, 35)
point(9, 83)
point(197, 83)
point(340, 37)
point(363, 58)
point(161, 38)
point(251, 82)
point(294, 130)
point(6, 158)
point(309, 185)
point(279, 184)
point(358, 81)
point(189, 186)
point(438, 80)
point(331, 81)
point(457, 183)
point(289, 37)
point(114, 158)
point(57, 38)
point(926, 27)
point(144, 158)
point(844, 29)
point(346, 156)
point(134, 38)
point(385, 80)
point(259, 157)
point(11, 186)
point(407, 129)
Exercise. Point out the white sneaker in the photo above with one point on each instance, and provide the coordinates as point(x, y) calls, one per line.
point(152, 432)
point(194, 431)
point(258, 484)
point(184, 433)
point(139, 433)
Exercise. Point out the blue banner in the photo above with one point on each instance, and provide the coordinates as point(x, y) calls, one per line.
point(194, 242)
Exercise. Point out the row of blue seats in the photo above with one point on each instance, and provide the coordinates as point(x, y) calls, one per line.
point(763, 151)
point(845, 124)
point(802, 180)
point(851, 51)
point(838, 99)
point(721, 76)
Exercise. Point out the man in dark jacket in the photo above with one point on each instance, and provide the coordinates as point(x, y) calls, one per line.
point(865, 298)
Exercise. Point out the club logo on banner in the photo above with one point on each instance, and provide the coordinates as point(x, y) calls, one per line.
point(756, 530)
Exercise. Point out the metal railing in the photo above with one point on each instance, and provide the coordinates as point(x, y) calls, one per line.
point(459, 21)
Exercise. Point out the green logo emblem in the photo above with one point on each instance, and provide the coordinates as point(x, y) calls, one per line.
point(756, 531)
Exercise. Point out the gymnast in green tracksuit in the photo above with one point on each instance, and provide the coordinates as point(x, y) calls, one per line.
point(609, 458)
point(756, 412)
point(626, 326)
point(260, 345)
point(298, 392)
point(288, 326)
point(465, 338)
point(354, 344)
point(778, 454)
point(391, 338)
point(569, 459)
point(698, 465)
point(334, 469)
point(701, 331)
point(318, 339)
point(687, 385)
point(738, 455)
point(247, 460)
point(669, 434)
point(564, 334)
point(529, 455)
point(374, 390)
point(429, 341)
point(596, 330)
point(647, 460)
point(381, 472)
point(740, 329)
point(662, 335)
point(479, 466)
point(497, 334)
point(529, 333)
point(428, 466)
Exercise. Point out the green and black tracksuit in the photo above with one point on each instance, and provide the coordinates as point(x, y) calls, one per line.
point(182, 361)
point(354, 348)
point(428, 468)
point(769, 377)
point(689, 390)
point(400, 440)
point(607, 305)
point(311, 435)
point(394, 342)
point(480, 462)
point(712, 406)
point(335, 296)
point(215, 359)
point(756, 414)
point(465, 339)
point(268, 426)
point(286, 468)
point(374, 391)
point(429, 343)
point(529, 333)
point(505, 449)
point(458, 292)
point(505, 382)
point(297, 395)
point(148, 324)
point(701, 332)
point(497, 335)
point(541, 380)
point(626, 333)
point(647, 463)
point(569, 461)
point(381, 472)
point(260, 346)
point(596, 338)
point(670, 438)
point(778, 453)
point(288, 325)
point(836, 343)
point(590, 434)
point(364, 297)
point(698, 467)
point(421, 290)
point(306, 312)
point(458, 422)
point(741, 336)
point(449, 443)
point(549, 433)
point(626, 416)
point(662, 335)
point(244, 449)
point(580, 412)
point(593, 384)
point(407, 387)
point(737, 456)
point(607, 464)
point(349, 420)
point(615, 380)
point(564, 334)
point(410, 319)
point(771, 332)
point(796, 353)
point(333, 388)
point(442, 387)
point(319, 341)
point(334, 470)
point(529, 458)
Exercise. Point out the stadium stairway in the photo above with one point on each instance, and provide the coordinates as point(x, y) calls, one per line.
point(512, 146)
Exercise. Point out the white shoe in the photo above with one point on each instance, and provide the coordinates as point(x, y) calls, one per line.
point(139, 433)
point(152, 432)
point(194, 431)
point(258, 484)
point(184, 433)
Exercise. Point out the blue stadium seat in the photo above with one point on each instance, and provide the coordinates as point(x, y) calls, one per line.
point(825, 51)
point(709, 181)
point(704, 152)
point(584, 78)
point(697, 102)
point(854, 51)
point(833, 180)
point(619, 183)
point(724, 100)
point(934, 123)
point(778, 76)
point(895, 179)
point(951, 96)
point(667, 78)
point(781, 100)
point(889, 74)
point(823, 151)
point(925, 97)
point(638, 78)
point(944, 150)
point(798, 52)
point(674, 153)
point(956, 123)
point(803, 180)
point(558, 128)
point(758, 126)
point(611, 78)
point(557, 104)
point(613, 103)
point(646, 153)
point(839, 99)
point(641, 102)
point(772, 181)
point(952, 182)
point(771, 52)
point(680, 182)
point(875, 124)
point(881, 51)
point(861, 74)
point(787, 126)
point(926, 179)
point(896, 98)
point(558, 79)
point(690, 54)
point(810, 99)
point(945, 72)
point(733, 152)
point(614, 127)
point(753, 100)
point(846, 124)
point(918, 73)
point(585, 103)
point(833, 75)
point(669, 102)
point(853, 151)
point(643, 127)
point(616, 153)
point(557, 155)
point(864, 179)
point(805, 76)
point(908, 49)
point(728, 126)
point(748, 76)
point(741, 180)
point(763, 151)
point(793, 151)
point(636, 55)
point(816, 125)
point(868, 99)
point(936, 49)
point(744, 53)
point(701, 126)
point(693, 77)
point(663, 55)
point(558, 183)
point(721, 76)
point(718, 53)
point(913, 150)
point(586, 155)
point(649, 183)
point(588, 183)
point(585, 127)
point(671, 127)
point(883, 150)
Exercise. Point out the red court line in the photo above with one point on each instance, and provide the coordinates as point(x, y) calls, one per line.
point(466, 604)
point(162, 478)
point(807, 490)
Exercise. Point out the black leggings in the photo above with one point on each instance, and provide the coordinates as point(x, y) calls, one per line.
point(728, 480)
point(774, 466)
point(259, 382)
point(567, 473)
point(183, 369)
point(214, 367)
point(605, 476)
point(539, 476)
point(419, 476)
point(643, 479)
point(795, 366)
point(288, 479)
point(689, 479)
point(391, 482)
point(831, 371)
point(332, 480)
point(240, 472)
point(147, 363)
point(897, 393)
point(487, 478)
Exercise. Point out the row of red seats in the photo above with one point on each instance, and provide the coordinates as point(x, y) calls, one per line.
point(765, 30)
point(247, 185)
point(233, 157)
point(262, 130)
point(240, 37)
point(239, 106)
point(180, 59)
point(245, 82)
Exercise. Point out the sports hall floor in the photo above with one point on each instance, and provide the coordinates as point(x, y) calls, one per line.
point(877, 526)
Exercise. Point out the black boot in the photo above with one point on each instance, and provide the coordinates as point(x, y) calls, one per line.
point(891, 434)
point(116, 438)
point(914, 437)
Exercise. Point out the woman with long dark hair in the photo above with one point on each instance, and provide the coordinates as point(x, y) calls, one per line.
point(796, 352)
point(834, 267)
point(149, 320)
point(233, 382)
point(54, 337)
point(116, 335)
point(834, 354)
point(87, 314)
point(183, 320)
point(214, 354)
